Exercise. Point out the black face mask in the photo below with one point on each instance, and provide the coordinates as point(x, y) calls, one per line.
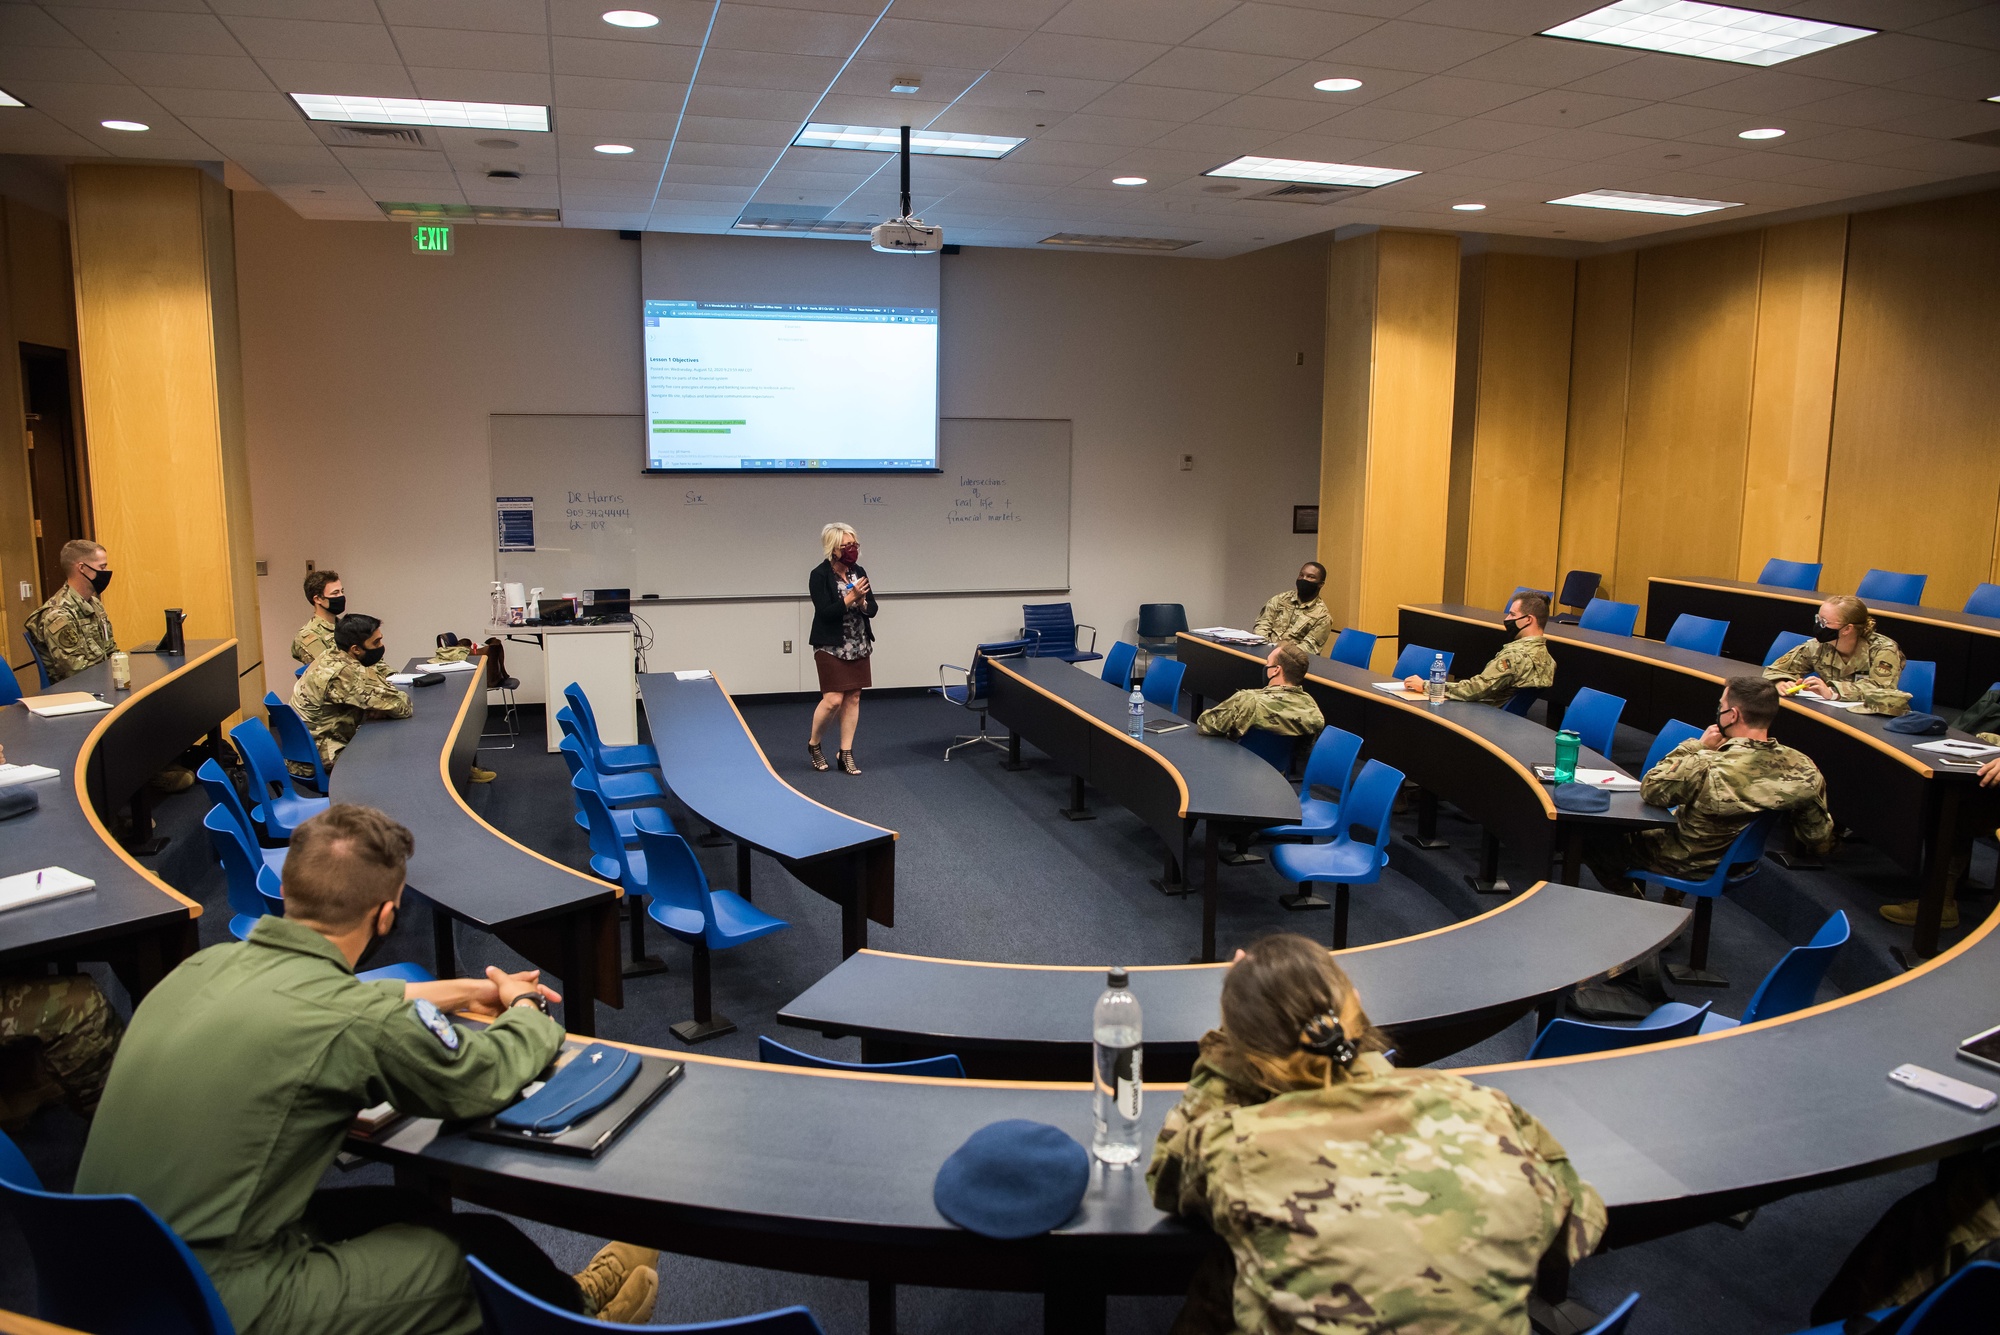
point(1308, 589)
point(374, 656)
point(375, 940)
point(100, 580)
point(1513, 627)
point(1824, 633)
point(1720, 726)
point(336, 604)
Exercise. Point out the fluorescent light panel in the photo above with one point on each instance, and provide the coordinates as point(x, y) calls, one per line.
point(460, 212)
point(7, 99)
point(1095, 242)
point(1627, 201)
point(1318, 173)
point(875, 139)
point(423, 111)
point(1710, 32)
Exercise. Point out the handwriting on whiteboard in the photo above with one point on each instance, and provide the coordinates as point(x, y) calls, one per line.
point(982, 500)
point(590, 511)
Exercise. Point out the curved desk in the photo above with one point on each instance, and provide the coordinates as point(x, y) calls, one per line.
point(1435, 993)
point(132, 920)
point(1966, 648)
point(1478, 758)
point(1920, 811)
point(1171, 780)
point(416, 769)
point(713, 764)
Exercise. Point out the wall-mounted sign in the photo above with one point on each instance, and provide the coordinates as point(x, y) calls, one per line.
point(428, 238)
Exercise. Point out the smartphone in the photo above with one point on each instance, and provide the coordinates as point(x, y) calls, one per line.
point(1944, 1087)
point(1983, 1048)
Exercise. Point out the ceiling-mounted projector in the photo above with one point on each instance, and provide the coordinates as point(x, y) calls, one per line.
point(905, 235)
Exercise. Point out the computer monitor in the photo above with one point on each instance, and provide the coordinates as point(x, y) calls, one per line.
point(606, 602)
point(556, 609)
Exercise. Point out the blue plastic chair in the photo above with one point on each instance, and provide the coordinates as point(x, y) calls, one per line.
point(1329, 767)
point(1357, 854)
point(1702, 635)
point(618, 789)
point(511, 1311)
point(706, 919)
point(1612, 618)
point(160, 1289)
point(1985, 601)
point(626, 820)
point(1593, 716)
point(1159, 623)
point(1794, 981)
point(299, 671)
point(1521, 701)
point(1744, 856)
point(41, 668)
point(593, 754)
point(10, 685)
point(283, 809)
point(1274, 748)
point(1784, 643)
point(1118, 664)
point(1965, 1301)
point(1563, 1037)
point(972, 690)
point(606, 759)
point(1791, 574)
point(773, 1053)
point(610, 859)
point(1620, 1317)
point(1920, 680)
point(214, 781)
point(295, 740)
point(254, 889)
point(1415, 661)
point(1891, 586)
point(1672, 733)
point(1162, 685)
point(1051, 631)
point(1356, 648)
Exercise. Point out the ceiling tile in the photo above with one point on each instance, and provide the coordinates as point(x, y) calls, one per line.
point(30, 25)
point(679, 174)
point(760, 156)
point(456, 49)
point(1271, 113)
point(1854, 178)
point(1450, 95)
point(1422, 47)
point(1376, 83)
point(1280, 30)
point(1883, 57)
point(1942, 158)
point(617, 94)
point(1870, 106)
point(483, 86)
point(624, 60)
point(1668, 120)
point(130, 30)
point(227, 104)
point(1164, 104)
point(801, 32)
point(1948, 121)
point(1216, 71)
point(360, 160)
point(36, 133)
point(1565, 107)
point(1548, 63)
point(907, 41)
point(1162, 20)
point(485, 16)
point(353, 80)
point(234, 134)
point(1082, 57)
point(939, 83)
point(412, 187)
point(1482, 135)
point(1021, 15)
point(738, 130)
point(1107, 130)
point(1655, 76)
point(762, 70)
point(749, 103)
point(1047, 152)
point(1766, 91)
point(851, 109)
point(1381, 123)
point(1587, 146)
point(1221, 142)
point(231, 73)
point(1520, 17)
point(18, 64)
point(682, 22)
point(297, 39)
point(1033, 92)
point(1976, 25)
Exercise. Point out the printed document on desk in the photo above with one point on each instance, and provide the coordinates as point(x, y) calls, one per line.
point(64, 702)
point(32, 887)
point(1229, 634)
point(13, 774)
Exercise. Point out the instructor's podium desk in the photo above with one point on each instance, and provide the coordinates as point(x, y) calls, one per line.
point(599, 659)
point(1435, 993)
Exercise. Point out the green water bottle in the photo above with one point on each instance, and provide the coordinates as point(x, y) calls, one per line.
point(1567, 745)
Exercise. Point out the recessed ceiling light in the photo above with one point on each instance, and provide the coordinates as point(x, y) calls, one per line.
point(498, 143)
point(1319, 173)
point(1771, 132)
point(909, 83)
point(7, 99)
point(1710, 32)
point(1337, 85)
point(614, 149)
point(125, 125)
point(1128, 180)
point(423, 111)
point(875, 139)
point(632, 18)
point(1468, 208)
point(1043, 92)
point(1630, 202)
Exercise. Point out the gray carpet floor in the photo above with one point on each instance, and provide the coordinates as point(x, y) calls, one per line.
point(986, 869)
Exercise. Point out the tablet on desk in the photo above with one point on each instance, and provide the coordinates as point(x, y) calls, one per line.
point(1983, 1048)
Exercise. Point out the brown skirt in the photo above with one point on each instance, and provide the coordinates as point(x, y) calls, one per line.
point(841, 674)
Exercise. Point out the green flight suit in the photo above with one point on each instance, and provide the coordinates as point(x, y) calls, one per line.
point(231, 1095)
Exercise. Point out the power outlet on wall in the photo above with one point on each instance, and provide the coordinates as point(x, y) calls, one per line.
point(263, 567)
point(311, 565)
point(1187, 463)
point(27, 592)
point(788, 646)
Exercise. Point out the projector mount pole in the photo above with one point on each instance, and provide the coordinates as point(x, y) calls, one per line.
point(906, 171)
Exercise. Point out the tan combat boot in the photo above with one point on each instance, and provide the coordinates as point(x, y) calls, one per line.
point(620, 1283)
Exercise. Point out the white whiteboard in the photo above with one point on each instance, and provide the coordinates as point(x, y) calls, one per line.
point(994, 520)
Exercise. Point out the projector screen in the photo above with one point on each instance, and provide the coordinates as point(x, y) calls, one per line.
point(761, 386)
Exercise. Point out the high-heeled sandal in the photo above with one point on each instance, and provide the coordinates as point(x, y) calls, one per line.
point(846, 761)
point(818, 757)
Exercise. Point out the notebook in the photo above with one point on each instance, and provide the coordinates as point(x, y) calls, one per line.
point(64, 702)
point(13, 774)
point(33, 887)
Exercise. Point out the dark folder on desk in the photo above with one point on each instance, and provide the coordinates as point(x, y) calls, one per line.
point(594, 1134)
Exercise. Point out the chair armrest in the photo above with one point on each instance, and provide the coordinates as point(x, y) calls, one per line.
point(1083, 626)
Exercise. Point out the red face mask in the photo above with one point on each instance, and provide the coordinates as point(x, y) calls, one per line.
point(851, 553)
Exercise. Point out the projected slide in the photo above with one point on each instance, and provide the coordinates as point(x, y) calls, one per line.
point(743, 386)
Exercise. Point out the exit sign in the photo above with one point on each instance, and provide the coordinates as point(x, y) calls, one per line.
point(430, 238)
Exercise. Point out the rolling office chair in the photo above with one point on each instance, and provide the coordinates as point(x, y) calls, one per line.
point(1415, 661)
point(1702, 635)
point(1985, 601)
point(1162, 685)
point(705, 919)
point(1159, 623)
point(1579, 587)
point(1612, 618)
point(1920, 680)
point(295, 740)
point(10, 685)
point(512, 1311)
point(1118, 664)
point(1891, 586)
point(1783, 643)
point(1801, 575)
point(41, 668)
point(973, 691)
point(1357, 854)
point(1738, 865)
point(1051, 630)
point(1356, 648)
point(773, 1053)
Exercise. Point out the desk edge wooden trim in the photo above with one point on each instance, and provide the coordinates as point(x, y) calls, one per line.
point(1180, 783)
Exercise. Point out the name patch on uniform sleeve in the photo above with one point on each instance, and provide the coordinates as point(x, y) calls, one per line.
point(431, 1018)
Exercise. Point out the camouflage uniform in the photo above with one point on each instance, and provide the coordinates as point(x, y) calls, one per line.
point(1521, 665)
point(336, 694)
point(1869, 676)
point(1287, 620)
point(1286, 710)
point(1391, 1200)
point(314, 638)
point(1919, 1240)
point(78, 1033)
point(1717, 793)
point(72, 632)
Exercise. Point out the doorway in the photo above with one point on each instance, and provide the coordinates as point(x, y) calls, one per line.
point(55, 463)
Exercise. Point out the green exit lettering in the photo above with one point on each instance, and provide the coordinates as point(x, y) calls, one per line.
point(430, 238)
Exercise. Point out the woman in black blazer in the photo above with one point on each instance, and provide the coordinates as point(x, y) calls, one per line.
point(843, 635)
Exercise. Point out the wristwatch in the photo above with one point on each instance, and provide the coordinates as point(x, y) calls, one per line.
point(535, 999)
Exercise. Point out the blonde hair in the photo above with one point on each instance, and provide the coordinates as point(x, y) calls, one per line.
point(834, 536)
point(1272, 996)
point(1852, 612)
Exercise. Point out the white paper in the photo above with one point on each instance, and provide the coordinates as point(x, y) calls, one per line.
point(448, 667)
point(73, 707)
point(1948, 746)
point(1609, 779)
point(698, 674)
point(13, 774)
point(1396, 688)
point(402, 678)
point(1227, 633)
point(32, 887)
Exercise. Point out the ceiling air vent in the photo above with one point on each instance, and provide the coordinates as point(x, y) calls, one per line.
point(1310, 194)
point(1113, 242)
point(372, 136)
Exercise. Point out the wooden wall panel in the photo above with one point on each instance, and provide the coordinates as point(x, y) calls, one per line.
point(1687, 421)
point(1599, 373)
point(39, 277)
point(1343, 469)
point(1791, 402)
point(1464, 421)
point(1913, 475)
point(1518, 426)
point(17, 517)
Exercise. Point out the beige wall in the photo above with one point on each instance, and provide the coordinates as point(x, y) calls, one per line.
point(369, 373)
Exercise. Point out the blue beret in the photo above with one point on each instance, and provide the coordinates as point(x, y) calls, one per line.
point(1012, 1179)
point(1581, 797)
point(1927, 725)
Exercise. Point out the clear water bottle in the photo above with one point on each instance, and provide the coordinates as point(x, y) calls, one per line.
point(1117, 1091)
point(1136, 707)
point(1434, 688)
